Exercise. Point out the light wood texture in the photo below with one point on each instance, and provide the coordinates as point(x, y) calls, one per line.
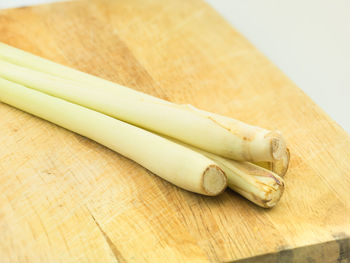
point(64, 198)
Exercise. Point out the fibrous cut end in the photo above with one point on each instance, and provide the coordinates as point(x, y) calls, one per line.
point(214, 180)
point(278, 144)
point(274, 196)
point(280, 167)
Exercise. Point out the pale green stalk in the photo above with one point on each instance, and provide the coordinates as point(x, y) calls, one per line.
point(177, 164)
point(20, 57)
point(208, 131)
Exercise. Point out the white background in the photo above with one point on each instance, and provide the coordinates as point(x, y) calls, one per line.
point(308, 39)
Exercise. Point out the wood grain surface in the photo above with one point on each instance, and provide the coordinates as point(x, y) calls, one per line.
point(64, 198)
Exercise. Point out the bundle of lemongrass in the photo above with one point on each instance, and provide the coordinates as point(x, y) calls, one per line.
point(196, 150)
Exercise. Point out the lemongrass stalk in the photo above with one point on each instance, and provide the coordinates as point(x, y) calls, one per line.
point(174, 163)
point(263, 188)
point(279, 167)
point(208, 131)
point(259, 185)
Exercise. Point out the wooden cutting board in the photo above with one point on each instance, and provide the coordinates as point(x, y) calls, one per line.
point(64, 198)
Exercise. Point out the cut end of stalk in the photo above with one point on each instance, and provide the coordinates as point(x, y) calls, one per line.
point(278, 145)
point(280, 167)
point(274, 196)
point(262, 186)
point(214, 180)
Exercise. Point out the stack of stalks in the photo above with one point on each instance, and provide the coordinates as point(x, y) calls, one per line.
point(194, 149)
